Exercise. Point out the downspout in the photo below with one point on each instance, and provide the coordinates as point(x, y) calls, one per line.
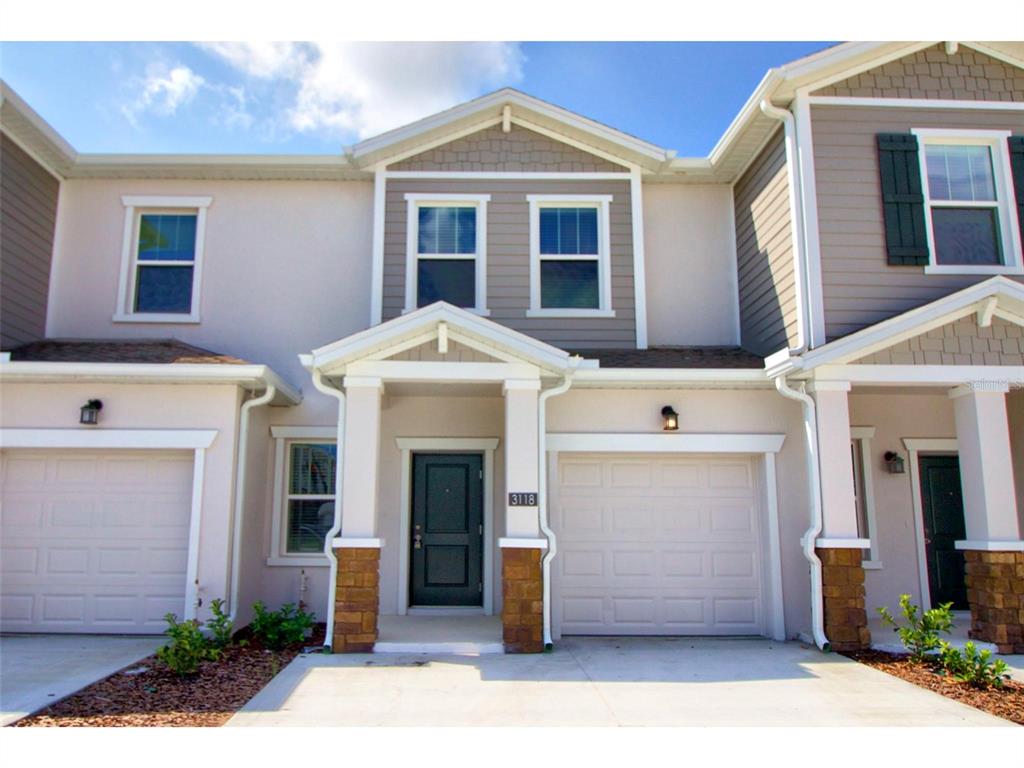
point(782, 385)
point(240, 473)
point(542, 489)
point(339, 395)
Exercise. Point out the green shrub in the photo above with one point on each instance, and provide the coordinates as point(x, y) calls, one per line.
point(188, 647)
point(921, 636)
point(277, 629)
point(220, 626)
point(973, 666)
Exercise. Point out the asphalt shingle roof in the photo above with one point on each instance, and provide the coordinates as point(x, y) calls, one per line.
point(160, 351)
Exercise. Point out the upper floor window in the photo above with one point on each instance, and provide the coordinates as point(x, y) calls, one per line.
point(446, 251)
point(161, 261)
point(569, 256)
point(970, 213)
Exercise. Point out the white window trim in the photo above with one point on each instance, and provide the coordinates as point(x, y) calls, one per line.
point(412, 256)
point(603, 204)
point(283, 437)
point(862, 437)
point(1006, 209)
point(134, 207)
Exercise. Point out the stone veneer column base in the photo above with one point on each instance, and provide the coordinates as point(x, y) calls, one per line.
point(522, 613)
point(356, 600)
point(995, 591)
point(846, 621)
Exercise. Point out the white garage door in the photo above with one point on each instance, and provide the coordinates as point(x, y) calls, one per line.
point(94, 541)
point(657, 545)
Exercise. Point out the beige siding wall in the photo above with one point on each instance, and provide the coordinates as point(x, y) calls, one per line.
point(959, 343)
point(28, 212)
point(764, 252)
point(932, 74)
point(858, 285)
point(518, 150)
point(508, 257)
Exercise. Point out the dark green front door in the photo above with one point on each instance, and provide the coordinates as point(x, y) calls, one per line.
point(943, 507)
point(447, 530)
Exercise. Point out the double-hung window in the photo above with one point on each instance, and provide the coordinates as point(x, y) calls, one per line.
point(305, 470)
point(864, 492)
point(970, 215)
point(569, 256)
point(161, 261)
point(446, 251)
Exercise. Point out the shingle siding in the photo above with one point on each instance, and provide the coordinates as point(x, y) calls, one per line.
point(519, 150)
point(932, 74)
point(764, 249)
point(959, 343)
point(28, 213)
point(859, 287)
point(508, 257)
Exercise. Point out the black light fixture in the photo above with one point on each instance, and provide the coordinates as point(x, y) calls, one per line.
point(894, 463)
point(91, 412)
point(671, 418)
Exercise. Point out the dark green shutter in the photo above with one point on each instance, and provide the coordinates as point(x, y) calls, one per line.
point(899, 166)
point(1017, 171)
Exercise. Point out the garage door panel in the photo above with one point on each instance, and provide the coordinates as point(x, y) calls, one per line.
point(105, 548)
point(667, 545)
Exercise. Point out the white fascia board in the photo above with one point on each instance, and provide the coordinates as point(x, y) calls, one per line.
point(915, 322)
point(253, 376)
point(661, 442)
point(919, 375)
point(466, 324)
point(43, 130)
point(668, 376)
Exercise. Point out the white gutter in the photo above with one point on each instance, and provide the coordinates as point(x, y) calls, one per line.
point(242, 454)
point(339, 395)
point(814, 486)
point(542, 489)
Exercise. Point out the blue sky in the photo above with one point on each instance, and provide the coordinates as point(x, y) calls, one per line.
point(317, 97)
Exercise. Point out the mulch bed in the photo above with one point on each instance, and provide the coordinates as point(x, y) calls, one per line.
point(1007, 703)
point(158, 697)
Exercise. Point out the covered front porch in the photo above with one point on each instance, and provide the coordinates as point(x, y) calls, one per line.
point(438, 533)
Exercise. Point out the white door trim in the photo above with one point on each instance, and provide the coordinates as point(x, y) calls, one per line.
point(407, 445)
point(152, 439)
point(766, 493)
point(915, 446)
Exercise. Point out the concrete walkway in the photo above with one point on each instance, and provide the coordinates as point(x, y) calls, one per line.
point(613, 681)
point(37, 670)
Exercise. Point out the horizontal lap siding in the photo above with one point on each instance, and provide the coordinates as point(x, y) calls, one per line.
point(764, 249)
point(933, 74)
point(508, 257)
point(28, 212)
point(858, 285)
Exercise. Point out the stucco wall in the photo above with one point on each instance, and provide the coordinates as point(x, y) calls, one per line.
point(287, 266)
point(691, 269)
point(132, 406)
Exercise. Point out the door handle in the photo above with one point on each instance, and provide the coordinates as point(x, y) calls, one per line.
point(417, 541)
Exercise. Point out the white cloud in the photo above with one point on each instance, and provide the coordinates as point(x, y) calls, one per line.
point(163, 90)
point(362, 89)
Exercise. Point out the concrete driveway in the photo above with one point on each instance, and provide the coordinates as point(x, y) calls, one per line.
point(613, 681)
point(37, 670)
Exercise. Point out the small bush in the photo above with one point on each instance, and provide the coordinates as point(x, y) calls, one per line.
point(220, 626)
point(188, 647)
point(921, 636)
point(277, 629)
point(973, 666)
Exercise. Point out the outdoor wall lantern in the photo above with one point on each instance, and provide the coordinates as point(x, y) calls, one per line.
point(894, 463)
point(90, 412)
point(671, 418)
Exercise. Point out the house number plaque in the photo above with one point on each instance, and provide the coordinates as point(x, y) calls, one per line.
point(522, 499)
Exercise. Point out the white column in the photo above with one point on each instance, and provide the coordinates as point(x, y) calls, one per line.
point(837, 492)
point(361, 457)
point(986, 466)
point(521, 461)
